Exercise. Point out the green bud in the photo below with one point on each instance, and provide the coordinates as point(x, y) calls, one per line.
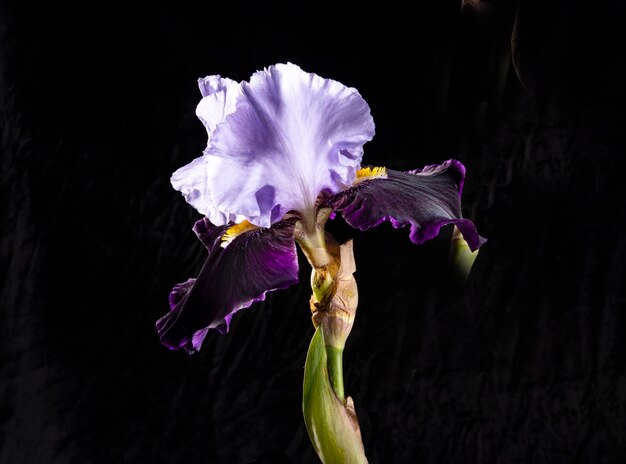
point(336, 311)
point(461, 258)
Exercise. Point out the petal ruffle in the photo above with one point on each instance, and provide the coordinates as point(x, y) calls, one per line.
point(219, 98)
point(190, 180)
point(231, 279)
point(292, 135)
point(427, 199)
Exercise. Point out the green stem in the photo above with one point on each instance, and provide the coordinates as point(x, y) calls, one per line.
point(335, 370)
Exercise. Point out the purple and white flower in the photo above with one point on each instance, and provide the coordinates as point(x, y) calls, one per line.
point(280, 148)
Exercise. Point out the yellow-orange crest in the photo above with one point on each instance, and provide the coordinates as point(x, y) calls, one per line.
point(235, 231)
point(370, 173)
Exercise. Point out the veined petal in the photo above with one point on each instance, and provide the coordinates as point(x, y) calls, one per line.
point(427, 199)
point(219, 100)
point(190, 180)
point(232, 278)
point(292, 135)
point(180, 291)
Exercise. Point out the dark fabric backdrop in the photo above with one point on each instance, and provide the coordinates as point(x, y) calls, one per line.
point(525, 364)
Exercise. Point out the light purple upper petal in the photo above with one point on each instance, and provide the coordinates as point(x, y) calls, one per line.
point(219, 100)
point(427, 199)
point(231, 279)
point(190, 180)
point(292, 135)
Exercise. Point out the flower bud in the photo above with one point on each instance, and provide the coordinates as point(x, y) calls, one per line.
point(336, 317)
point(461, 257)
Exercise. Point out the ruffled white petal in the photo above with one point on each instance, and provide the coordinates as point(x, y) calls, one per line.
point(191, 181)
point(291, 136)
point(219, 100)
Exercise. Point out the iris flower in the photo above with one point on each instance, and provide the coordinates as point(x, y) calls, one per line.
point(284, 152)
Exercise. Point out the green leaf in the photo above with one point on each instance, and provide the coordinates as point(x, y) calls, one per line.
point(332, 425)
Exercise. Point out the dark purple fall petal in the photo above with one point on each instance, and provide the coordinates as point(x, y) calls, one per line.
point(180, 291)
point(427, 199)
point(208, 233)
point(231, 279)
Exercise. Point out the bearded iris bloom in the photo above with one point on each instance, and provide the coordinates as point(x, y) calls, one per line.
point(284, 152)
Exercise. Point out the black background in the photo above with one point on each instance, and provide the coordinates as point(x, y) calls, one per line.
point(525, 364)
